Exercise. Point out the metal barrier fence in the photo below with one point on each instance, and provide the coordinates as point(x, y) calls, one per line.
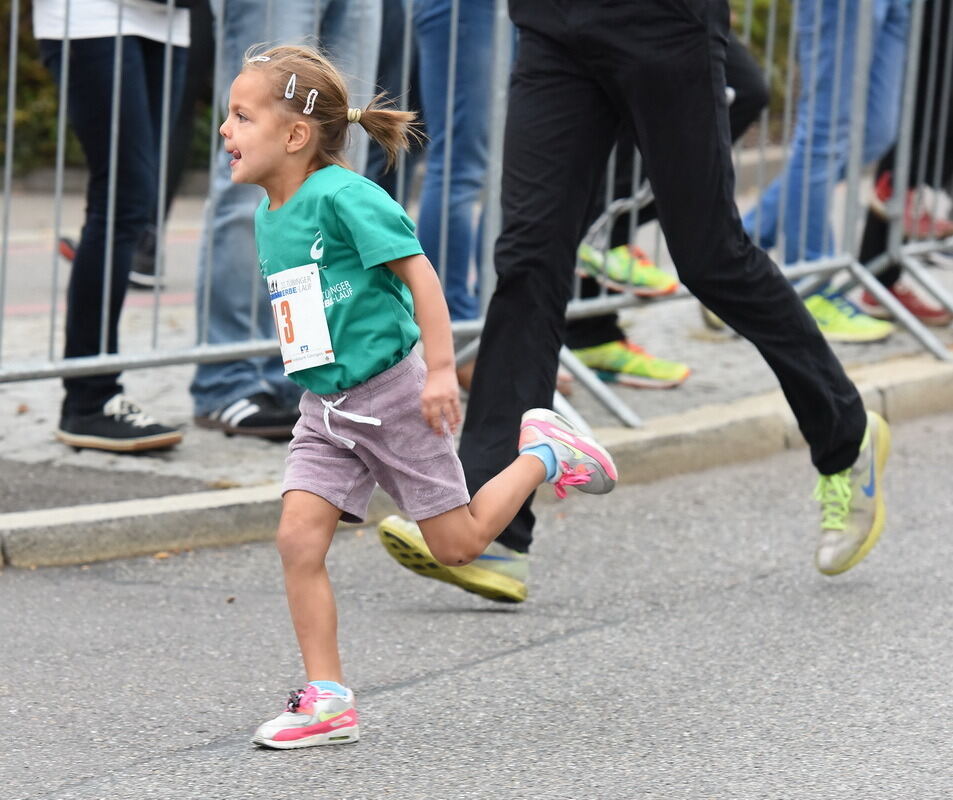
point(791, 127)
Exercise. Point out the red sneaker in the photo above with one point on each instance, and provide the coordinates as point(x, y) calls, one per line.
point(67, 248)
point(918, 223)
point(923, 225)
point(883, 189)
point(935, 316)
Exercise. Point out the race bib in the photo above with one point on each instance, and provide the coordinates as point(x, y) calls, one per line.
point(298, 306)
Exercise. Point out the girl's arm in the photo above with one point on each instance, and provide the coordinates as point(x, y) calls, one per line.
point(440, 399)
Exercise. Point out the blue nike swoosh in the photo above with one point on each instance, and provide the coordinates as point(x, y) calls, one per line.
point(486, 557)
point(869, 487)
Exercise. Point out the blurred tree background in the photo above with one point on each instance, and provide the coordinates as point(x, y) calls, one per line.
point(36, 98)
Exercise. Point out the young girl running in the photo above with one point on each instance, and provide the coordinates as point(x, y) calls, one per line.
point(352, 294)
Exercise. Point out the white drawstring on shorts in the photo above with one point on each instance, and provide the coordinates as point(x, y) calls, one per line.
point(332, 408)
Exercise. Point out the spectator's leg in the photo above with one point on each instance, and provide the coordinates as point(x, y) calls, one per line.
point(390, 78)
point(943, 150)
point(891, 21)
point(196, 85)
point(90, 104)
point(238, 308)
point(194, 68)
point(876, 230)
point(469, 138)
point(746, 77)
point(351, 32)
point(819, 128)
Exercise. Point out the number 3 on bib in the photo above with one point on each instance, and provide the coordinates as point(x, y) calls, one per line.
point(285, 328)
point(297, 304)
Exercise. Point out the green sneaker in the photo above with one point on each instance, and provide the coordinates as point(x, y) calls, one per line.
point(499, 574)
point(625, 269)
point(852, 503)
point(628, 364)
point(841, 321)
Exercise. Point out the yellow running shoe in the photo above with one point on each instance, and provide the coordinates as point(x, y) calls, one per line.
point(841, 321)
point(625, 269)
point(852, 503)
point(628, 364)
point(499, 574)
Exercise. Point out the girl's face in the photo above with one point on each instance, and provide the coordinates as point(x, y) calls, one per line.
point(254, 131)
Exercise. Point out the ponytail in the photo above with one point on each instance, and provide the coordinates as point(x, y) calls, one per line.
point(392, 129)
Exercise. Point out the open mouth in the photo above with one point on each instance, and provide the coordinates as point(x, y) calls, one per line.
point(236, 157)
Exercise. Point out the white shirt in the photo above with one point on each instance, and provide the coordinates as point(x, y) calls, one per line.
point(92, 19)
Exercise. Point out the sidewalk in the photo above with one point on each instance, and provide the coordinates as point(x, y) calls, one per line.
point(58, 506)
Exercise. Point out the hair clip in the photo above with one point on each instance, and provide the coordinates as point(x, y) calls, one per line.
point(290, 88)
point(253, 59)
point(309, 105)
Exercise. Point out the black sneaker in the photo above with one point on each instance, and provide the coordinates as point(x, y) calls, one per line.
point(142, 274)
point(256, 415)
point(121, 427)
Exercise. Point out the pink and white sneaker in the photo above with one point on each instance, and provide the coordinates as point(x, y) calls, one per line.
point(312, 716)
point(580, 460)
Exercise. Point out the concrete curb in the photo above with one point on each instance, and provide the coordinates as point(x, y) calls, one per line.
point(706, 437)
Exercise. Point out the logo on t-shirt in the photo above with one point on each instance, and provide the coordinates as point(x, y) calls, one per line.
point(317, 249)
point(335, 294)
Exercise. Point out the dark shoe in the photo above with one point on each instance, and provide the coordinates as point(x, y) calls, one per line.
point(257, 415)
point(142, 274)
point(121, 427)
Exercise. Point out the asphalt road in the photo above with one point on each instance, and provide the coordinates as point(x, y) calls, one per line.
point(677, 643)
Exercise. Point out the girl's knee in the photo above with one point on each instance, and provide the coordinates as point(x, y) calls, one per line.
point(301, 541)
point(290, 542)
point(454, 538)
point(453, 553)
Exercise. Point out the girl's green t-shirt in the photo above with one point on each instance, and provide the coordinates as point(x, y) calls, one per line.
point(348, 227)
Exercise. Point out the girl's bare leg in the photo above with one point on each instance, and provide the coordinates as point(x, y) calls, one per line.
point(457, 537)
point(304, 536)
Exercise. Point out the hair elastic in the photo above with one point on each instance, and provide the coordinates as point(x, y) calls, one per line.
point(290, 88)
point(354, 115)
point(253, 59)
point(309, 105)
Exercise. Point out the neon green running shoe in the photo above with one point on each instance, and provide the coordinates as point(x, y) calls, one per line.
point(499, 574)
point(628, 364)
point(852, 503)
point(841, 321)
point(625, 269)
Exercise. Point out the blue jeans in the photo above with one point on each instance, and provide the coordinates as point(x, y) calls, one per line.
point(89, 105)
point(815, 153)
point(238, 307)
point(390, 69)
point(470, 133)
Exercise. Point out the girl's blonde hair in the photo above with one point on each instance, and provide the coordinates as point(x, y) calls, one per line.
point(309, 87)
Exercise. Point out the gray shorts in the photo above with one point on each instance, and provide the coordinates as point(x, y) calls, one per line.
point(416, 467)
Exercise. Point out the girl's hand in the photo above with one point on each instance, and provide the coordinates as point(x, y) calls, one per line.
point(440, 400)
